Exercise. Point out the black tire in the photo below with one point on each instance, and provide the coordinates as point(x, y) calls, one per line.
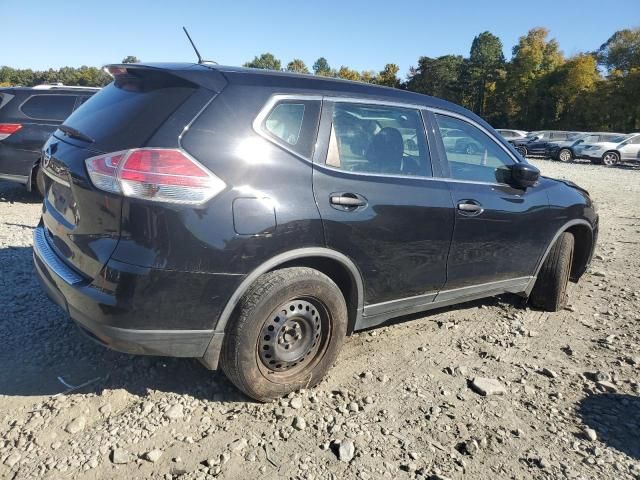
point(522, 150)
point(39, 181)
point(550, 290)
point(288, 302)
point(565, 155)
point(610, 159)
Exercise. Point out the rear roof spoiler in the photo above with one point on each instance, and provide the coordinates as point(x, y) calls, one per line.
point(192, 72)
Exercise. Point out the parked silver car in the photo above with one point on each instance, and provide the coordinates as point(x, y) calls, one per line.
point(624, 148)
point(509, 134)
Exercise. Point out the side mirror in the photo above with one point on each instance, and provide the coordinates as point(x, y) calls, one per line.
point(524, 175)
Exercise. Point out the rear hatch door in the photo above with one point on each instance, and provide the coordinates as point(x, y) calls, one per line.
point(82, 223)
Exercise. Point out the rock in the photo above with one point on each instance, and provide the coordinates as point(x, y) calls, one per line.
point(119, 456)
point(487, 386)
point(608, 386)
point(299, 423)
point(76, 425)
point(548, 373)
point(599, 273)
point(296, 403)
point(529, 390)
point(368, 400)
point(106, 409)
point(153, 456)
point(346, 450)
point(174, 412)
point(12, 459)
point(238, 445)
point(470, 447)
point(354, 407)
point(590, 434)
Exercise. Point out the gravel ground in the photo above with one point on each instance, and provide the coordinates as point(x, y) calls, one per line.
point(564, 394)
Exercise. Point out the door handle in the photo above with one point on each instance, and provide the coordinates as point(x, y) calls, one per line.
point(347, 201)
point(470, 208)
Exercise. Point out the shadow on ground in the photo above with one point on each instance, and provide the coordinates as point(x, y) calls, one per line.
point(39, 343)
point(615, 418)
point(15, 193)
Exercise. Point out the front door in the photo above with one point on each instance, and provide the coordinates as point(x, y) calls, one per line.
point(380, 204)
point(500, 230)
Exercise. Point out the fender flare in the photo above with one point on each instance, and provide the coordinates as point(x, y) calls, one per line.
point(564, 228)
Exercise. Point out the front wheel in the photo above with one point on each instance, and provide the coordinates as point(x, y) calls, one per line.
point(550, 290)
point(39, 181)
point(610, 158)
point(565, 155)
point(286, 334)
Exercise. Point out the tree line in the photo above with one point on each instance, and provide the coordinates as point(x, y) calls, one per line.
point(537, 88)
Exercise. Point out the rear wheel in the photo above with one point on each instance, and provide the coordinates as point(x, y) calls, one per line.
point(550, 290)
point(522, 150)
point(610, 158)
point(287, 333)
point(565, 155)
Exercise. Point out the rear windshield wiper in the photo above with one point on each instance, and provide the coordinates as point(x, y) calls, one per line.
point(72, 132)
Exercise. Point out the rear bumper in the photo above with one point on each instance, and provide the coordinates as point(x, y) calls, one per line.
point(119, 315)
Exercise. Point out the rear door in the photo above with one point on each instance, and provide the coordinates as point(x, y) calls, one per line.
point(499, 230)
point(379, 202)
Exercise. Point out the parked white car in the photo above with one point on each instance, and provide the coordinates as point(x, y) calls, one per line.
point(625, 148)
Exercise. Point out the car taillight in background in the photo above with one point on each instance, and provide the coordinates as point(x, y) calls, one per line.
point(161, 175)
point(8, 129)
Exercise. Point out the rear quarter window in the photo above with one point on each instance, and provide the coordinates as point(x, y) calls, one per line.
point(49, 107)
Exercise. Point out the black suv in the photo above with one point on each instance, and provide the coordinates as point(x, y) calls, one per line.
point(254, 218)
point(537, 143)
point(28, 116)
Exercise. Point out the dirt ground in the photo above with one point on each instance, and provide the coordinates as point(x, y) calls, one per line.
point(398, 403)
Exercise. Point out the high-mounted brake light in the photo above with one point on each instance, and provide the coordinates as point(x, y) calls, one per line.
point(157, 174)
point(8, 129)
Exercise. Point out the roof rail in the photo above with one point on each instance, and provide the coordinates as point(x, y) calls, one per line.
point(54, 86)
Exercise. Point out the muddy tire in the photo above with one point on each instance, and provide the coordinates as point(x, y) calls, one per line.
point(550, 290)
point(286, 333)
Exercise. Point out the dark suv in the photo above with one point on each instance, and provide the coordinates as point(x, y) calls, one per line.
point(28, 116)
point(254, 218)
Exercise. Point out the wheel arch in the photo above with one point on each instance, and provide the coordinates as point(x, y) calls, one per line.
point(335, 265)
point(584, 237)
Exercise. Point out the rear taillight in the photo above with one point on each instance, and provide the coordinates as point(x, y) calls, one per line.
point(7, 129)
point(161, 175)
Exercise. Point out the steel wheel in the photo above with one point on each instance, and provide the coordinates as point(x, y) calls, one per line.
point(565, 155)
point(522, 150)
point(292, 338)
point(610, 158)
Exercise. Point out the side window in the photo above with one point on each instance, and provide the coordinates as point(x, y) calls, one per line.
point(49, 107)
point(635, 140)
point(293, 124)
point(472, 155)
point(378, 139)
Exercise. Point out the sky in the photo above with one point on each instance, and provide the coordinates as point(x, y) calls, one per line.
point(363, 35)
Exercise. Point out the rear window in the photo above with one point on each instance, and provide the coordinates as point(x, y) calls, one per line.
point(127, 112)
point(48, 107)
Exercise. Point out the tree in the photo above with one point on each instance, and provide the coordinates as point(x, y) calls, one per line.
point(321, 67)
point(622, 51)
point(533, 57)
point(130, 59)
point(439, 77)
point(388, 76)
point(348, 74)
point(297, 66)
point(266, 61)
point(486, 61)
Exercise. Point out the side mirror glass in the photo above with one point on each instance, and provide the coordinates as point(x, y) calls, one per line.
point(524, 175)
